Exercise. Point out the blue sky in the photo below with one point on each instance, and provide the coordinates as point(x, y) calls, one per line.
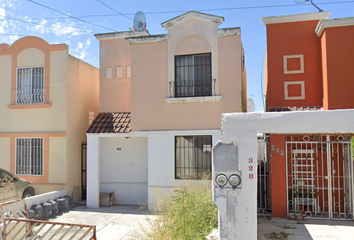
point(20, 18)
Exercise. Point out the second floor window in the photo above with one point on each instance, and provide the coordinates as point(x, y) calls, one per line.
point(193, 75)
point(30, 85)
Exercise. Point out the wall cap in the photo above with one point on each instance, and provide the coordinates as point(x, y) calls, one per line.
point(296, 18)
point(336, 22)
point(189, 15)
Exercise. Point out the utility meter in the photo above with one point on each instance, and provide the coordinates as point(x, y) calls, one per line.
point(221, 180)
point(235, 180)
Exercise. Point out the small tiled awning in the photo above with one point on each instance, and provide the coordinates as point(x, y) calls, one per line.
point(112, 122)
point(286, 109)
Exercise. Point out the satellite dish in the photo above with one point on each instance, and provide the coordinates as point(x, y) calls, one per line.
point(302, 1)
point(139, 22)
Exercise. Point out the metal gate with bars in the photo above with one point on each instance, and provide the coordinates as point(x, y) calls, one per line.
point(320, 176)
point(263, 176)
point(83, 169)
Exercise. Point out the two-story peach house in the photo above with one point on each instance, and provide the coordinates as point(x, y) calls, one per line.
point(161, 99)
point(310, 68)
point(46, 98)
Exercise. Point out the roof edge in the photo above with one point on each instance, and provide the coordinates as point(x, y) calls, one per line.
point(123, 34)
point(147, 39)
point(192, 14)
point(229, 31)
point(296, 18)
point(336, 22)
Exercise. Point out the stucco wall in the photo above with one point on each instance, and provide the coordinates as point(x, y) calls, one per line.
point(83, 97)
point(150, 87)
point(337, 55)
point(114, 92)
point(57, 163)
point(5, 153)
point(35, 120)
point(57, 167)
point(30, 57)
point(125, 171)
point(293, 39)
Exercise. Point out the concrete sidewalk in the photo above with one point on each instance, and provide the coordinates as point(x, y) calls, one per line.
point(112, 223)
point(310, 229)
point(123, 222)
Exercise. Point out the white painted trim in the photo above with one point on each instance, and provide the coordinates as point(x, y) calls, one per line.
point(337, 22)
point(124, 34)
point(229, 31)
point(235, 125)
point(147, 39)
point(286, 94)
point(295, 18)
point(193, 99)
point(285, 64)
point(192, 14)
point(156, 133)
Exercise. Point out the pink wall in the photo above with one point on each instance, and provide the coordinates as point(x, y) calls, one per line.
point(149, 89)
point(114, 92)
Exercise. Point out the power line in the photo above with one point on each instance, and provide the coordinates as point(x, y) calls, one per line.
point(200, 10)
point(114, 10)
point(72, 16)
point(9, 34)
point(43, 25)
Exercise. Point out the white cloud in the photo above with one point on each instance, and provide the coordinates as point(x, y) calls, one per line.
point(8, 3)
point(41, 28)
point(60, 29)
point(2, 13)
point(81, 49)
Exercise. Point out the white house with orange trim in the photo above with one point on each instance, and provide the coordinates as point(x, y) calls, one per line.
point(46, 99)
point(161, 100)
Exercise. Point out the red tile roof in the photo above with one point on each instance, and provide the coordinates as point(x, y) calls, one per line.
point(111, 122)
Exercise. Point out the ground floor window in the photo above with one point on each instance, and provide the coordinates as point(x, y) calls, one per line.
point(29, 156)
point(193, 157)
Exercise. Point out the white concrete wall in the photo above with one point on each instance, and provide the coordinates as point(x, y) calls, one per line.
point(161, 155)
point(45, 197)
point(124, 171)
point(241, 129)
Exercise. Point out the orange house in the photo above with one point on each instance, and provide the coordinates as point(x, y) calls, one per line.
point(310, 68)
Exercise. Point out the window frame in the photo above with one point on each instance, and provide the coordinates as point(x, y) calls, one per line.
point(199, 172)
point(203, 88)
point(40, 95)
point(42, 140)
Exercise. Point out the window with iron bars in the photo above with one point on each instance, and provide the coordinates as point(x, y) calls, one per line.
point(193, 75)
point(193, 157)
point(30, 86)
point(29, 156)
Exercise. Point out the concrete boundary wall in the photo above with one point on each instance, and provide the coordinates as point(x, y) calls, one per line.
point(241, 130)
point(45, 197)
